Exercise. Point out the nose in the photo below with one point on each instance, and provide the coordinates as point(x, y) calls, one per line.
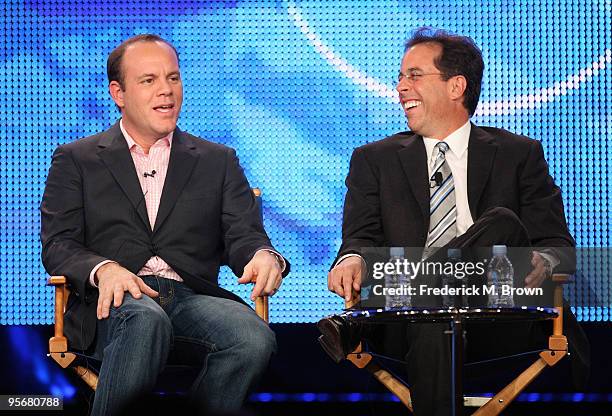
point(403, 85)
point(164, 87)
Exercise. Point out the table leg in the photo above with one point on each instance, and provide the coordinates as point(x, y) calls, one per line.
point(457, 365)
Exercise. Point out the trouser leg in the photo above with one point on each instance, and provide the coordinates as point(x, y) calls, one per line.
point(428, 367)
point(496, 226)
point(428, 358)
point(236, 346)
point(133, 344)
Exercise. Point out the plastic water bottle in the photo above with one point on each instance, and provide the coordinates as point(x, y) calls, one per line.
point(500, 275)
point(398, 281)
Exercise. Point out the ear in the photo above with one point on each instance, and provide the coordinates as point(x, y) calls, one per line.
point(116, 93)
point(457, 86)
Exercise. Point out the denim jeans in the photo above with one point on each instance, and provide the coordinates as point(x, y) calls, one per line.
point(229, 341)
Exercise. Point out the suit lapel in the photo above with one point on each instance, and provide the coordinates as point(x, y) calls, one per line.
point(413, 158)
point(183, 158)
point(114, 152)
point(481, 154)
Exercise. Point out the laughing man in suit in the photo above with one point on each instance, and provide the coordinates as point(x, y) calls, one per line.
point(494, 189)
point(139, 218)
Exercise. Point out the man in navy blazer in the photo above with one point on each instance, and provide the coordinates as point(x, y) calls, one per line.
point(500, 193)
point(139, 219)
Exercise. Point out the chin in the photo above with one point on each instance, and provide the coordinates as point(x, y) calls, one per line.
point(166, 129)
point(413, 127)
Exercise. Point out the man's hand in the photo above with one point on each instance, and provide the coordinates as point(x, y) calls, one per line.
point(113, 281)
point(346, 277)
point(266, 269)
point(541, 271)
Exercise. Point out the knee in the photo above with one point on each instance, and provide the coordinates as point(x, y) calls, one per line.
point(504, 218)
point(145, 319)
point(264, 342)
point(257, 344)
point(503, 214)
point(509, 229)
point(158, 326)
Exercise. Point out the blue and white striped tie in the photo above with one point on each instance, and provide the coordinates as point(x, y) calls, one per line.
point(442, 206)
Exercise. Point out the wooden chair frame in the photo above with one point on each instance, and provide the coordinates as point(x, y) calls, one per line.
point(557, 349)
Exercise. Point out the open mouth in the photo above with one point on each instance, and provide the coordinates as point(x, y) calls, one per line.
point(410, 104)
point(165, 108)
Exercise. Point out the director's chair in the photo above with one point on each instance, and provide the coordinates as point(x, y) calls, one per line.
point(557, 349)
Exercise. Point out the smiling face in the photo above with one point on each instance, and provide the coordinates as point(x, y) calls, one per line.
point(433, 106)
point(152, 92)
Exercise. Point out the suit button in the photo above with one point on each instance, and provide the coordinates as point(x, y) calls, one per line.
point(154, 248)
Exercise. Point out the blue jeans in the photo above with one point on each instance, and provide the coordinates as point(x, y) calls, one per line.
point(231, 343)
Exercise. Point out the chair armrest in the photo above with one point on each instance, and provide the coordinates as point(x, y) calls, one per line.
point(261, 308)
point(58, 343)
point(559, 279)
point(354, 300)
point(261, 305)
point(261, 302)
point(56, 280)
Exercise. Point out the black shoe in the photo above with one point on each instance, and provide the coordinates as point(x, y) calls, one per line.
point(339, 336)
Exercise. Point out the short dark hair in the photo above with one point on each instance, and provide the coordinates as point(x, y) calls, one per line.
point(114, 71)
point(459, 56)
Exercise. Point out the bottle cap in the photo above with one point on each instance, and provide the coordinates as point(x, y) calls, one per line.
point(499, 250)
point(454, 253)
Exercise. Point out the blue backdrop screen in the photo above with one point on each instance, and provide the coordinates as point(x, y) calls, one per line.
point(294, 87)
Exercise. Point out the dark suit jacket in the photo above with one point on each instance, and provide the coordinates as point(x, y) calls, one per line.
point(93, 209)
point(387, 203)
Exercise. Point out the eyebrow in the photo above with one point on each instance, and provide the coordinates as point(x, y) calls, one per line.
point(155, 75)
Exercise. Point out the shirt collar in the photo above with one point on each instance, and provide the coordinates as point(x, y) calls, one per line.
point(165, 141)
point(457, 141)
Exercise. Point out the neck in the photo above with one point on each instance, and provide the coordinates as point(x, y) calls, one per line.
point(452, 124)
point(143, 141)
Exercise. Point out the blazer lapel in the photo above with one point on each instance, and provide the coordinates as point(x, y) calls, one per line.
point(413, 158)
point(183, 158)
point(114, 152)
point(481, 154)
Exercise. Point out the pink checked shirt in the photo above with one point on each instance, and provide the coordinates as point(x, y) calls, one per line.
point(157, 160)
